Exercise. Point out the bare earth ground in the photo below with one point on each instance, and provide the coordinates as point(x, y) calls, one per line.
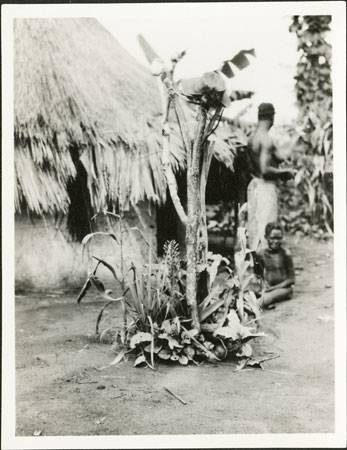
point(59, 391)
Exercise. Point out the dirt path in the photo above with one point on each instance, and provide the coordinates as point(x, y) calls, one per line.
point(59, 390)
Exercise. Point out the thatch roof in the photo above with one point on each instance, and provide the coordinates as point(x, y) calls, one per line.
point(75, 86)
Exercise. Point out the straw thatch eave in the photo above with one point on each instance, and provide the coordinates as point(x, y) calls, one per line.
point(76, 87)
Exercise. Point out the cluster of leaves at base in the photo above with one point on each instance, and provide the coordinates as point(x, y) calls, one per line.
point(156, 317)
point(169, 341)
point(170, 338)
point(172, 341)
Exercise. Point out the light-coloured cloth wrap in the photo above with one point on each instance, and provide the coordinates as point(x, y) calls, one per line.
point(262, 208)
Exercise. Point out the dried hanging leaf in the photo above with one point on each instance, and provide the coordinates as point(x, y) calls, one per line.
point(84, 290)
point(106, 264)
point(101, 289)
point(87, 238)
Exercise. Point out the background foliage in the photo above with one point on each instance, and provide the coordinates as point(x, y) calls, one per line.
point(309, 201)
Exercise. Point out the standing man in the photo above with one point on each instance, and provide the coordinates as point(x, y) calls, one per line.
point(262, 197)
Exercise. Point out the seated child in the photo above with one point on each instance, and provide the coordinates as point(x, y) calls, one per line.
point(278, 267)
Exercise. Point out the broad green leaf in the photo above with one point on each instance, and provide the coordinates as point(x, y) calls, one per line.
point(233, 318)
point(140, 337)
point(214, 268)
point(183, 360)
point(252, 303)
point(227, 332)
point(156, 348)
point(244, 268)
point(241, 236)
point(164, 354)
point(245, 282)
point(239, 304)
point(171, 341)
point(140, 360)
point(235, 330)
point(166, 326)
point(171, 326)
point(214, 294)
point(192, 332)
point(206, 312)
point(227, 301)
point(204, 350)
point(187, 335)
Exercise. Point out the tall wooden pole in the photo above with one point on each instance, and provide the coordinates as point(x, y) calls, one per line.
point(193, 204)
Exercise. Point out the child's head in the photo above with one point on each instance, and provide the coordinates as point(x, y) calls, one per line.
point(273, 235)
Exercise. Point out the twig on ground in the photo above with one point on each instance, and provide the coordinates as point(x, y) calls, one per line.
point(176, 396)
point(282, 373)
point(209, 417)
point(112, 376)
point(84, 348)
point(118, 396)
point(86, 382)
point(268, 359)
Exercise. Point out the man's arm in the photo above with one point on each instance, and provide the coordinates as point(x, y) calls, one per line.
point(269, 172)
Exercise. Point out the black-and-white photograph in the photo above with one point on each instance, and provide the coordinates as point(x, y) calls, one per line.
point(173, 204)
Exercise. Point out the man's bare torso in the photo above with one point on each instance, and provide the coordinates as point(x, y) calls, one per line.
point(260, 141)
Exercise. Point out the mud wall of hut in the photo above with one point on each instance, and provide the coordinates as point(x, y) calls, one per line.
point(47, 259)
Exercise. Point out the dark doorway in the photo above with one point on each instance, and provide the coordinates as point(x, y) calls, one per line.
point(169, 226)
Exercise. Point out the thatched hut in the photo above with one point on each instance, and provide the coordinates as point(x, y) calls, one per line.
point(87, 137)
